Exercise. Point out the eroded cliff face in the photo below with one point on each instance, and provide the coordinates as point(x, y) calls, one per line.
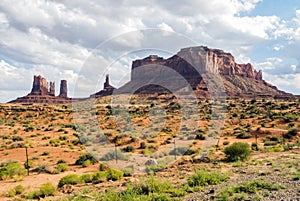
point(191, 64)
point(202, 60)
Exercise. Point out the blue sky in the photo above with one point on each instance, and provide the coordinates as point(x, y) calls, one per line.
point(58, 39)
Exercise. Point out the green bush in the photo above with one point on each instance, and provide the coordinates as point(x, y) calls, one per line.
point(103, 167)
point(10, 169)
point(47, 190)
point(99, 177)
point(128, 171)
point(86, 157)
point(69, 179)
point(237, 151)
point(61, 167)
point(114, 175)
point(19, 189)
point(87, 178)
point(86, 163)
point(204, 178)
point(11, 193)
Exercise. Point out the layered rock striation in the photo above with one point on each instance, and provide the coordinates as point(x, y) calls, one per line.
point(189, 68)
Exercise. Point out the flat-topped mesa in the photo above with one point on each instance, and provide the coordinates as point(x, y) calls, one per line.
point(191, 63)
point(203, 60)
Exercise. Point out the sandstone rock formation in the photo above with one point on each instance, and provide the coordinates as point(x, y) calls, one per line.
point(190, 66)
point(63, 89)
point(42, 93)
point(107, 89)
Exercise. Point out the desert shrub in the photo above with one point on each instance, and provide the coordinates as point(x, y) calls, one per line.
point(128, 171)
point(111, 155)
point(19, 189)
point(103, 167)
point(244, 136)
point(17, 138)
point(99, 177)
point(86, 163)
point(29, 128)
point(47, 190)
point(290, 118)
point(45, 153)
point(42, 168)
point(114, 175)
point(178, 151)
point(29, 164)
point(11, 169)
point(154, 168)
point(291, 133)
point(86, 178)
point(61, 167)
point(226, 143)
point(254, 186)
point(270, 143)
point(69, 179)
point(63, 137)
point(237, 151)
point(129, 149)
point(204, 178)
point(143, 145)
point(61, 161)
point(200, 137)
point(274, 138)
point(11, 193)
point(17, 145)
point(86, 157)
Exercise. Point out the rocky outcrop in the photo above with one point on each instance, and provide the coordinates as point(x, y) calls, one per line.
point(63, 89)
point(107, 89)
point(192, 64)
point(42, 93)
point(40, 86)
point(52, 89)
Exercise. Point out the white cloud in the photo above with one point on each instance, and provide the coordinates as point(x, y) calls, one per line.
point(287, 82)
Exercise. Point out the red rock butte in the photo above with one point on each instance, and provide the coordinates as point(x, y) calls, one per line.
point(239, 80)
point(41, 92)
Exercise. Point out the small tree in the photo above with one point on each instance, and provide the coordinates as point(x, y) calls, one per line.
point(237, 151)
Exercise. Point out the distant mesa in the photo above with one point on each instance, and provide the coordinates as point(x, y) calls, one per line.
point(239, 80)
point(41, 92)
